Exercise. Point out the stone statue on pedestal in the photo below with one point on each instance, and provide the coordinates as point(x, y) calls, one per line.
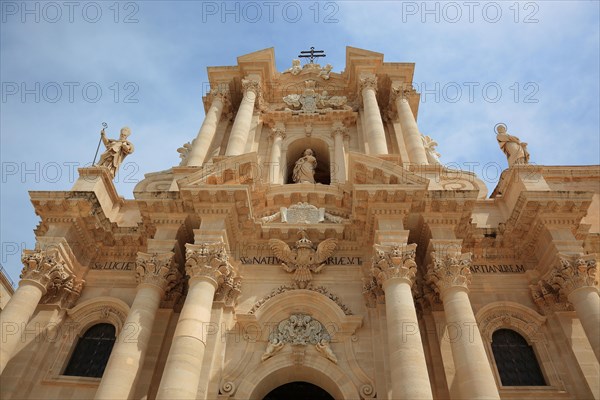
point(116, 150)
point(304, 170)
point(515, 150)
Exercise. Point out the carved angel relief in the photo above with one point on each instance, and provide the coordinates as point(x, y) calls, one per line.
point(303, 260)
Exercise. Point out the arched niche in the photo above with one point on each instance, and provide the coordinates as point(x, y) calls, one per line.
point(295, 149)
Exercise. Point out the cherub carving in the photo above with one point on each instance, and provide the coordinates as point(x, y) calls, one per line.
point(303, 260)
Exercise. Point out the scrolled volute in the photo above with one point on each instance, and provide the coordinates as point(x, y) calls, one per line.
point(47, 269)
point(209, 261)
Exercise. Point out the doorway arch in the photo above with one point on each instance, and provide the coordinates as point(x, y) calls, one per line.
point(298, 390)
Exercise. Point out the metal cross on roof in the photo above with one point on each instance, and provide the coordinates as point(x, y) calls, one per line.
point(312, 54)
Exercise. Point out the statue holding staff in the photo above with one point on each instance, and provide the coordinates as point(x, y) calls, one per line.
point(116, 150)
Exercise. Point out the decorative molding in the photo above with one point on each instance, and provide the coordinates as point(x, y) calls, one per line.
point(284, 288)
point(300, 330)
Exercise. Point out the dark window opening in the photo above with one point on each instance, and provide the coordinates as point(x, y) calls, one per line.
point(516, 360)
point(298, 391)
point(92, 352)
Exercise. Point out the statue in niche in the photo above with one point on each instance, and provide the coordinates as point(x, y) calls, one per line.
point(304, 170)
point(515, 150)
point(116, 150)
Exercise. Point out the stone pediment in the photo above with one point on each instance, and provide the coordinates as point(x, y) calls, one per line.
point(238, 170)
point(368, 170)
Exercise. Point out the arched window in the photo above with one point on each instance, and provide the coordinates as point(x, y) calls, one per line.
point(515, 360)
point(92, 352)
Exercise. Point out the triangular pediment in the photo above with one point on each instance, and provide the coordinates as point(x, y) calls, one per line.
point(368, 170)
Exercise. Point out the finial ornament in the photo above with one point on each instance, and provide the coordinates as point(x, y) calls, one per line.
point(515, 150)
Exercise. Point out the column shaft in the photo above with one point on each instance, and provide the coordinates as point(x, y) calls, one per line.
point(182, 371)
point(410, 379)
point(206, 134)
point(127, 356)
point(473, 371)
point(410, 131)
point(374, 123)
point(340, 159)
point(275, 164)
point(15, 316)
point(241, 126)
point(587, 305)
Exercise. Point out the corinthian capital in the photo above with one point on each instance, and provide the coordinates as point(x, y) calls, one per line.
point(449, 271)
point(46, 268)
point(252, 85)
point(367, 81)
point(209, 261)
point(156, 269)
point(575, 272)
point(401, 92)
point(397, 261)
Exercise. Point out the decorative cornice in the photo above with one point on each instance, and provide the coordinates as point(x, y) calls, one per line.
point(574, 272)
point(448, 271)
point(157, 269)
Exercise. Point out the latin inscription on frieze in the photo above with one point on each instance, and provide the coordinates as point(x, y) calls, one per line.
point(498, 269)
point(114, 265)
point(275, 261)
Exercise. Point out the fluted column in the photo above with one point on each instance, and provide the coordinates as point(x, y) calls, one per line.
point(576, 277)
point(44, 271)
point(339, 133)
point(209, 270)
point(201, 144)
point(394, 268)
point(155, 273)
point(373, 122)
point(277, 135)
point(450, 276)
point(410, 130)
point(243, 119)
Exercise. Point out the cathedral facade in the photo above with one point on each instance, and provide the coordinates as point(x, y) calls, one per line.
point(310, 245)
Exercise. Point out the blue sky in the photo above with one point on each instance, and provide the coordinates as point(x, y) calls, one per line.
point(66, 68)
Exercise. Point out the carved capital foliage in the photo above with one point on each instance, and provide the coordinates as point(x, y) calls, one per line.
point(574, 272)
point(210, 261)
point(397, 261)
point(277, 132)
point(367, 81)
point(339, 129)
point(251, 85)
point(372, 292)
point(157, 269)
point(449, 271)
point(548, 298)
point(221, 92)
point(401, 92)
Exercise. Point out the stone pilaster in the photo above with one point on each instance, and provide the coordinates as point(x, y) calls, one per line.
point(394, 269)
point(210, 272)
point(277, 136)
point(373, 122)
point(45, 274)
point(241, 126)
point(201, 145)
point(155, 273)
point(576, 278)
point(450, 276)
point(339, 133)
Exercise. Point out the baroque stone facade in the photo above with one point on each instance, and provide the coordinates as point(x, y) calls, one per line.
point(362, 266)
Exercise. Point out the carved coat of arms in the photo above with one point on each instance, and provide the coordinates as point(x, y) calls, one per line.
point(303, 260)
